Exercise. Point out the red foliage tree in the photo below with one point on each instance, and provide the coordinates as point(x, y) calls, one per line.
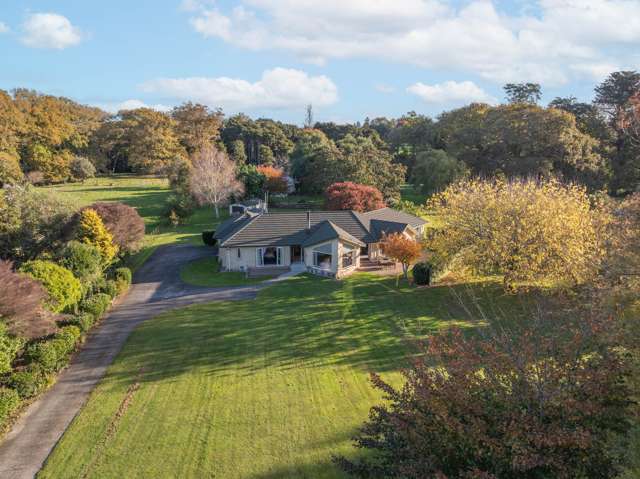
point(535, 403)
point(353, 196)
point(275, 181)
point(402, 249)
point(21, 301)
point(123, 222)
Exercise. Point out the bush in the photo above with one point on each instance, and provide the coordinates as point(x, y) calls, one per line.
point(63, 288)
point(82, 168)
point(53, 354)
point(96, 304)
point(208, 239)
point(111, 288)
point(422, 273)
point(21, 299)
point(123, 274)
point(9, 402)
point(91, 230)
point(83, 260)
point(69, 336)
point(28, 382)
point(123, 222)
point(179, 206)
point(9, 347)
point(84, 321)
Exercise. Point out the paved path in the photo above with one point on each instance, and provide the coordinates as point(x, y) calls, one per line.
point(156, 288)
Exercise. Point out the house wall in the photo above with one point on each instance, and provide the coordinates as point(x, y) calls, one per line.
point(230, 261)
point(308, 254)
point(342, 272)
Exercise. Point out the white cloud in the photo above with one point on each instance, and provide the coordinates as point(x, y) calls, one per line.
point(49, 30)
point(3, 27)
point(277, 88)
point(475, 38)
point(130, 105)
point(451, 92)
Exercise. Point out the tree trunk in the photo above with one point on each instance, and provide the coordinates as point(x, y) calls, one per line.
point(215, 206)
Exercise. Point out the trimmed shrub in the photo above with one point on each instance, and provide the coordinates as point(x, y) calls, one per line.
point(208, 239)
point(111, 288)
point(84, 321)
point(99, 284)
point(422, 273)
point(96, 304)
point(53, 354)
point(9, 347)
point(28, 382)
point(83, 260)
point(62, 286)
point(69, 337)
point(9, 402)
point(123, 274)
point(91, 230)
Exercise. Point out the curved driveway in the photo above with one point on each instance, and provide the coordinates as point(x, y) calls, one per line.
point(156, 288)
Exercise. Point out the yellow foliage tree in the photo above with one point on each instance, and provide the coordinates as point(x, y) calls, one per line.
point(91, 230)
point(524, 230)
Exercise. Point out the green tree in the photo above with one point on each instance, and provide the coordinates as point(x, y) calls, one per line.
point(315, 162)
point(435, 170)
point(237, 153)
point(196, 125)
point(529, 93)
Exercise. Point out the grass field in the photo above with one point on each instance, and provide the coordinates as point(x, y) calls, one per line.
point(205, 272)
point(268, 388)
point(148, 196)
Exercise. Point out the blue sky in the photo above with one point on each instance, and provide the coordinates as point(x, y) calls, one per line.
point(349, 58)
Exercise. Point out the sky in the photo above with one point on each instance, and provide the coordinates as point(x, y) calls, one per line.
point(350, 59)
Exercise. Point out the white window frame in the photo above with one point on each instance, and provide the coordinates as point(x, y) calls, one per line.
point(315, 260)
point(260, 257)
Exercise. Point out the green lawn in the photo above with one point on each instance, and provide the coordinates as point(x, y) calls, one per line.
point(268, 388)
point(205, 272)
point(148, 196)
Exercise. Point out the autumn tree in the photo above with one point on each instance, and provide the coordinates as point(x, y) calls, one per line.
point(21, 300)
point(196, 125)
point(547, 400)
point(523, 230)
point(213, 178)
point(352, 196)
point(123, 222)
point(403, 249)
point(275, 181)
point(10, 171)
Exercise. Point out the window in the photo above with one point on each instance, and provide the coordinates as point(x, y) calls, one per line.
point(270, 256)
point(239, 253)
point(347, 259)
point(322, 260)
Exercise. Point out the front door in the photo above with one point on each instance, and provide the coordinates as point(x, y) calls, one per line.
point(296, 254)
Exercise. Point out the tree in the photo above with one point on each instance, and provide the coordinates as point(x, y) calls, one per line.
point(523, 230)
point(54, 165)
point(266, 155)
point(352, 196)
point(10, 171)
point(123, 222)
point(213, 178)
point(274, 179)
point(81, 168)
point(315, 162)
point(91, 230)
point(403, 249)
point(411, 134)
point(524, 403)
point(237, 153)
point(529, 93)
point(64, 289)
point(522, 140)
point(21, 300)
point(32, 222)
point(435, 170)
point(196, 125)
point(252, 180)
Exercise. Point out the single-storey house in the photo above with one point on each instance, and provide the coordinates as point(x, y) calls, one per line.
point(328, 243)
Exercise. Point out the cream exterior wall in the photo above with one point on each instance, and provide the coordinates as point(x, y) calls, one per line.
point(230, 262)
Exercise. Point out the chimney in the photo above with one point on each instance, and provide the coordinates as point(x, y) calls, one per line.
point(308, 220)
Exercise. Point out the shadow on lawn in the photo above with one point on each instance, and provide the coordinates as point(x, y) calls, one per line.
point(305, 322)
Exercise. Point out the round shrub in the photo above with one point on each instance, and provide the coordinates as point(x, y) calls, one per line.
point(44, 354)
point(9, 347)
point(28, 382)
point(83, 260)
point(208, 239)
point(123, 274)
point(96, 304)
point(99, 284)
point(84, 321)
point(111, 288)
point(69, 335)
point(9, 402)
point(63, 288)
point(81, 168)
point(422, 273)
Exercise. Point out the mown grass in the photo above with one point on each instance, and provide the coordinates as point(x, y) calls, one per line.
point(266, 388)
point(206, 272)
point(148, 195)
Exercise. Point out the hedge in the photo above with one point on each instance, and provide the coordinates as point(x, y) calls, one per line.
point(9, 402)
point(96, 304)
point(54, 354)
point(111, 288)
point(28, 382)
point(207, 237)
point(84, 321)
point(422, 273)
point(123, 274)
point(63, 287)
